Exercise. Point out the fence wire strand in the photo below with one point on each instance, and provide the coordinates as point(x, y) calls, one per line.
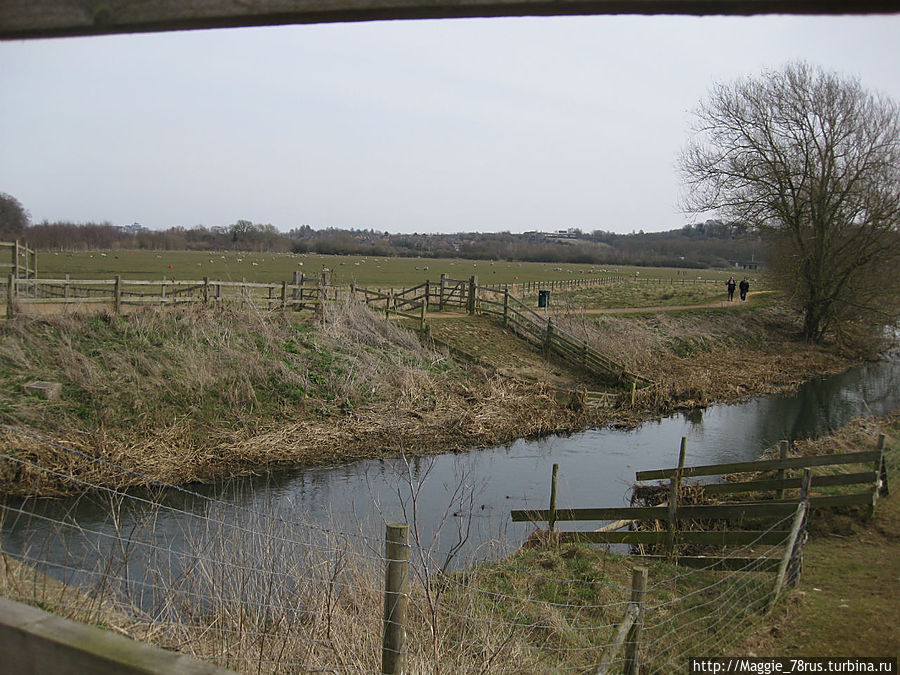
point(257, 592)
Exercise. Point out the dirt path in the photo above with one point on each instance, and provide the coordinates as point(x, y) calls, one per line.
point(719, 304)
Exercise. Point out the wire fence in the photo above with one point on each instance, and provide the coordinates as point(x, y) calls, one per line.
point(256, 590)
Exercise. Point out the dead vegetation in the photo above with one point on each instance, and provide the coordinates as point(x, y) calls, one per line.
point(192, 395)
point(700, 357)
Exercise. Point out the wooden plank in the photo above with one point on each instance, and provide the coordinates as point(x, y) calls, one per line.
point(762, 465)
point(705, 512)
point(788, 483)
point(613, 513)
point(831, 501)
point(704, 538)
point(731, 564)
point(62, 301)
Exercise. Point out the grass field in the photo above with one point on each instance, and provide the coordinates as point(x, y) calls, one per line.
point(365, 271)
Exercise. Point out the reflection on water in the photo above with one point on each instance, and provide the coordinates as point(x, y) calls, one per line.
point(596, 469)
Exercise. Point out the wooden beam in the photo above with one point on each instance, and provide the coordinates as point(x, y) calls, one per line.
point(64, 18)
point(762, 465)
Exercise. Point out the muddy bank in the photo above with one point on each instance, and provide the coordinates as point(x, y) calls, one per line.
point(197, 398)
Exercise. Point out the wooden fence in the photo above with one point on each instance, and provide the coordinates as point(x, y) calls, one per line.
point(497, 301)
point(874, 481)
point(673, 512)
point(17, 267)
point(118, 293)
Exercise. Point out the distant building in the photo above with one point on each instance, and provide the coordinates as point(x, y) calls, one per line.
point(745, 264)
point(134, 228)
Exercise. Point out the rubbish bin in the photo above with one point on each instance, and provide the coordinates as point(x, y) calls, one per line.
point(543, 298)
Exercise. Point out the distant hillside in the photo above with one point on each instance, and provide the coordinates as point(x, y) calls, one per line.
point(709, 244)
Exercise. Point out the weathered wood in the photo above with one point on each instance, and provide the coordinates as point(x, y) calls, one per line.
point(633, 641)
point(396, 586)
point(783, 448)
point(762, 465)
point(674, 494)
point(66, 18)
point(883, 490)
point(699, 537)
point(631, 613)
point(10, 296)
point(788, 552)
point(788, 483)
point(703, 512)
point(551, 518)
point(611, 513)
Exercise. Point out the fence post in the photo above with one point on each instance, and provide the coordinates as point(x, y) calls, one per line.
point(396, 584)
point(549, 339)
point(633, 641)
point(10, 296)
point(674, 494)
point(783, 447)
point(883, 490)
point(505, 306)
point(422, 323)
point(295, 288)
point(283, 295)
point(441, 297)
point(205, 290)
point(879, 489)
point(473, 289)
point(15, 258)
point(162, 291)
point(66, 287)
point(323, 294)
point(551, 519)
point(118, 294)
point(791, 560)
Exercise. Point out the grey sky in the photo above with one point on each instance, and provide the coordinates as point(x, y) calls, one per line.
point(405, 126)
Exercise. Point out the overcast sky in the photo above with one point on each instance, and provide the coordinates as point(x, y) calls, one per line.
point(405, 126)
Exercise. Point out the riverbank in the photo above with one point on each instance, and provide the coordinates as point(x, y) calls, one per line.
point(187, 395)
point(848, 602)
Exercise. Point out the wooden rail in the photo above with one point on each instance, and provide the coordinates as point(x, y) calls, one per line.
point(679, 520)
point(497, 301)
point(120, 292)
point(874, 481)
point(20, 269)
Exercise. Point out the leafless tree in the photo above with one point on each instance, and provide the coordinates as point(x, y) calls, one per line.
point(812, 158)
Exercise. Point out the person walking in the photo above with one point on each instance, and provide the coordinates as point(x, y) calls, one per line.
point(744, 287)
point(731, 285)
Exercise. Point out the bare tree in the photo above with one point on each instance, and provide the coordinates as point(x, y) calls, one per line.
point(812, 158)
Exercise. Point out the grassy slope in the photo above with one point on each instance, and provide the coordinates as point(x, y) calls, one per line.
point(848, 602)
point(191, 394)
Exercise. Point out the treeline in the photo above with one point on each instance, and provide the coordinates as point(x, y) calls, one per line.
point(709, 244)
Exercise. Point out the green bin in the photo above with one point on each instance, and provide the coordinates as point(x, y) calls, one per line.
point(543, 298)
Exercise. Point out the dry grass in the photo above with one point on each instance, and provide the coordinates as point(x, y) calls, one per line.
point(700, 357)
point(194, 394)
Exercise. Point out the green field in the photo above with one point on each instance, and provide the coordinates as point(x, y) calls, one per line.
point(364, 270)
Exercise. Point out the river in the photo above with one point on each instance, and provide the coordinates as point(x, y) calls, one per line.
point(470, 493)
